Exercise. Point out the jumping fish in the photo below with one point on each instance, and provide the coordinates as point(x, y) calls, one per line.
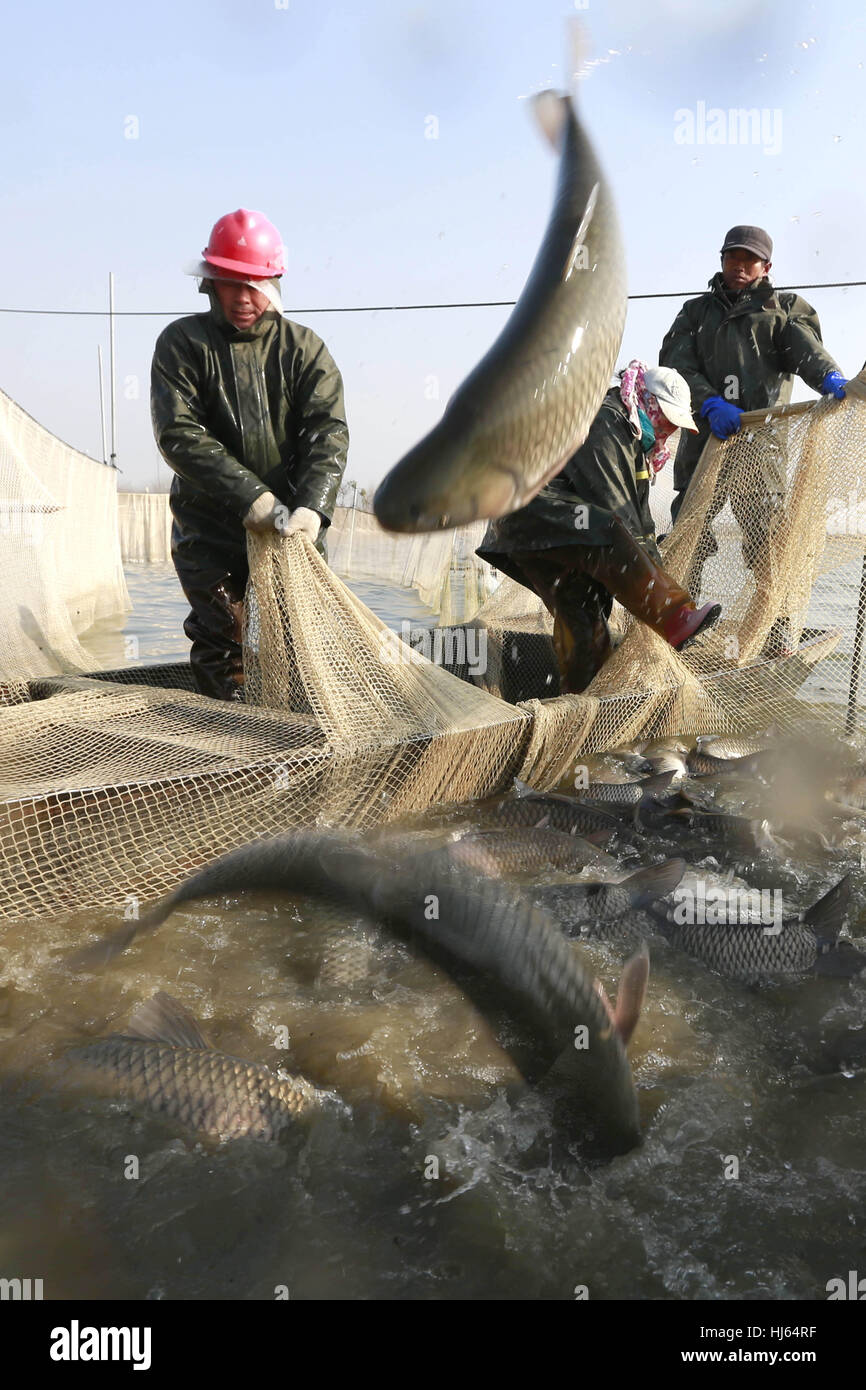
point(527, 406)
point(508, 957)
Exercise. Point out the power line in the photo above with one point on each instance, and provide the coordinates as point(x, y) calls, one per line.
point(397, 308)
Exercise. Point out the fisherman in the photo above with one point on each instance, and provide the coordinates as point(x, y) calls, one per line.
point(739, 347)
point(588, 537)
point(248, 411)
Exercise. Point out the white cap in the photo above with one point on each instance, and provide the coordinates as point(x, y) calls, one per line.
point(672, 393)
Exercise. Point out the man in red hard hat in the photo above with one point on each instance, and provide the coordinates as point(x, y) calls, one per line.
point(248, 411)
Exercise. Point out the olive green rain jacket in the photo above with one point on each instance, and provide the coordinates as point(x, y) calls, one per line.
point(607, 476)
point(746, 348)
point(239, 412)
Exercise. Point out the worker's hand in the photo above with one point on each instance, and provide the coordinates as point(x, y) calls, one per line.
point(266, 514)
point(834, 384)
point(724, 416)
point(303, 519)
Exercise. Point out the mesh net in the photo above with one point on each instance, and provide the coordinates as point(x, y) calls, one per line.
point(113, 792)
point(442, 568)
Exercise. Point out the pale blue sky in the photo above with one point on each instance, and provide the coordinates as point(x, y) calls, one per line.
point(315, 113)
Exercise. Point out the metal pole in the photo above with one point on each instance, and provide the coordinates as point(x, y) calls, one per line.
point(113, 459)
point(351, 530)
point(857, 655)
point(102, 403)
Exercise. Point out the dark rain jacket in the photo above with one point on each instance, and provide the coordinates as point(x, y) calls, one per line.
point(240, 412)
point(746, 348)
point(607, 475)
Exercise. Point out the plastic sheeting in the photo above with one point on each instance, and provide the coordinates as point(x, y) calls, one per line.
point(60, 565)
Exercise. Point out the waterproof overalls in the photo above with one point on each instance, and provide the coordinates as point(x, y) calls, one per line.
point(236, 413)
point(587, 539)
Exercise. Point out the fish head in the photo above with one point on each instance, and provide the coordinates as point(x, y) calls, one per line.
point(444, 481)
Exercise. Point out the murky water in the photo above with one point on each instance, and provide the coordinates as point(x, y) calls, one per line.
point(445, 1178)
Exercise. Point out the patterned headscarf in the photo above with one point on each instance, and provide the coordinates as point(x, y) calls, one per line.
point(634, 393)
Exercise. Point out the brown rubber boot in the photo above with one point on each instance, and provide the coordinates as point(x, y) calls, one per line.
point(645, 589)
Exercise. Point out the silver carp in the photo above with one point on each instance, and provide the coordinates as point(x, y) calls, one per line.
point(527, 406)
point(164, 1062)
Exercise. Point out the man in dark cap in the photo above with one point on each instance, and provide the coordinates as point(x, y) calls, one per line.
point(739, 347)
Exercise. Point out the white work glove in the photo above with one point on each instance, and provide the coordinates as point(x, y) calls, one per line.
point(303, 519)
point(267, 514)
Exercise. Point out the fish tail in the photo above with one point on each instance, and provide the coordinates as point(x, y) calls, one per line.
point(551, 110)
point(631, 994)
point(646, 885)
point(829, 914)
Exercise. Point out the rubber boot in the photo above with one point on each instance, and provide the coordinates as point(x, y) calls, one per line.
point(645, 589)
point(688, 621)
point(215, 628)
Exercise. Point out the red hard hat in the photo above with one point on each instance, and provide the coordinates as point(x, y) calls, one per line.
point(247, 243)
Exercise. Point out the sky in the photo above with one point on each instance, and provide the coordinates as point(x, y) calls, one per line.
point(128, 130)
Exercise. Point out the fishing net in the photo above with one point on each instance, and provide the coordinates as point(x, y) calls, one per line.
point(113, 790)
point(442, 568)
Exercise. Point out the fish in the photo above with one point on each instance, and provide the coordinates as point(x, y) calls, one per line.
point(527, 406)
point(526, 851)
point(736, 746)
point(627, 793)
point(760, 954)
point(524, 971)
point(606, 910)
point(346, 960)
point(701, 763)
point(552, 811)
point(736, 832)
point(510, 959)
point(164, 1062)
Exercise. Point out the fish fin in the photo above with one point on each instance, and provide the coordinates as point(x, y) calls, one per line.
point(659, 782)
point(842, 959)
point(164, 1019)
point(608, 1007)
point(828, 915)
point(543, 824)
point(551, 111)
point(631, 994)
point(522, 788)
point(646, 885)
point(594, 837)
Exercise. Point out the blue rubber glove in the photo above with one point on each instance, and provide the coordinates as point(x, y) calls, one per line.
point(724, 416)
point(834, 384)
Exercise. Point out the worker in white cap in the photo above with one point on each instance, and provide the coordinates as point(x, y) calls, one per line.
point(588, 537)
